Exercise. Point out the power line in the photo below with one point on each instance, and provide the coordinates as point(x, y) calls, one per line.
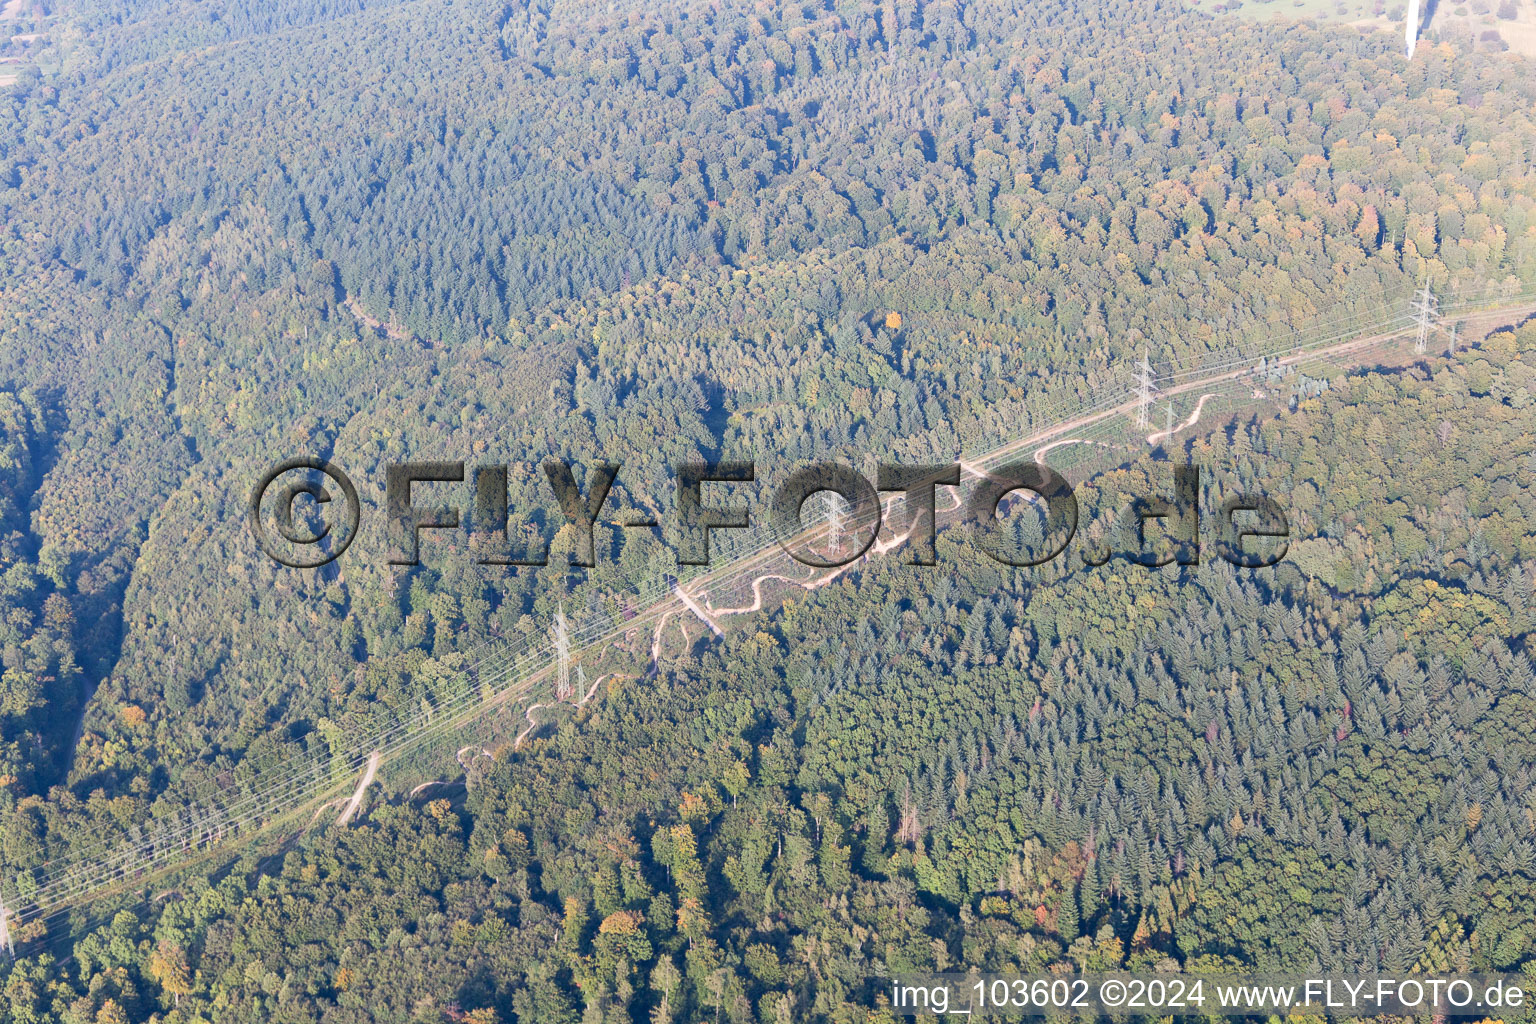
point(208, 828)
point(296, 784)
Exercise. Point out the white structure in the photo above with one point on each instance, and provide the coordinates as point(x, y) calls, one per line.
point(835, 522)
point(562, 642)
point(1144, 390)
point(5, 931)
point(1424, 306)
point(1411, 30)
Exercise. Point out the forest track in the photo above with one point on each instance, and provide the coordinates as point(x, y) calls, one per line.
point(362, 787)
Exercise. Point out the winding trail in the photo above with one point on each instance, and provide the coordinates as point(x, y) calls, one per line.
point(1194, 418)
point(473, 752)
point(881, 547)
point(593, 688)
point(533, 724)
point(1040, 452)
point(757, 593)
point(323, 808)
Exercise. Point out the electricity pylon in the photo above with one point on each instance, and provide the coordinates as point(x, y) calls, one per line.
point(1144, 390)
point(835, 522)
point(1424, 306)
point(562, 637)
point(5, 931)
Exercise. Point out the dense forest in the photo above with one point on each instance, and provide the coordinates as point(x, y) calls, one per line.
point(374, 230)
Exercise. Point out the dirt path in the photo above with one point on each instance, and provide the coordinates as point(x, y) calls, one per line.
point(1040, 452)
point(473, 752)
point(757, 593)
point(656, 644)
point(1194, 418)
point(532, 724)
point(362, 787)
